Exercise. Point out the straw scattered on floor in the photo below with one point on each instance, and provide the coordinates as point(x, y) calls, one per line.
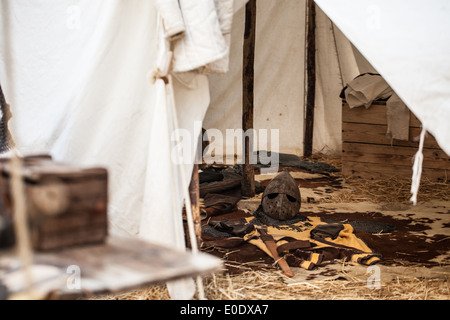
point(390, 190)
point(393, 189)
point(269, 285)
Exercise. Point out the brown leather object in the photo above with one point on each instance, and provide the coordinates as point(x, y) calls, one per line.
point(235, 228)
point(215, 204)
point(219, 186)
point(272, 246)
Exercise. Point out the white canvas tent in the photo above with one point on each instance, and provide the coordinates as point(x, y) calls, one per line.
point(76, 75)
point(407, 43)
point(280, 77)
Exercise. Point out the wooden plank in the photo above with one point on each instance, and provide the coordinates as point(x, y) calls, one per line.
point(393, 155)
point(376, 134)
point(88, 235)
point(383, 171)
point(119, 264)
point(375, 114)
point(68, 222)
point(248, 75)
point(41, 167)
point(90, 194)
point(367, 153)
point(310, 78)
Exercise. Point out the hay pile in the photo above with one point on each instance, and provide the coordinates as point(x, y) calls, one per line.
point(393, 189)
point(390, 190)
point(269, 285)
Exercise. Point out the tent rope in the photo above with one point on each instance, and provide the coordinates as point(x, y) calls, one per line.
point(185, 187)
point(163, 73)
point(417, 168)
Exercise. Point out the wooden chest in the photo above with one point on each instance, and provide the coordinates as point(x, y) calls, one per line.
point(66, 205)
point(369, 154)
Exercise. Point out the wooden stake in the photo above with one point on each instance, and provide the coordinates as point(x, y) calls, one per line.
point(194, 191)
point(248, 181)
point(310, 78)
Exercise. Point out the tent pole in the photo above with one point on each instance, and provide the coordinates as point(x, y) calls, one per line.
point(194, 191)
point(310, 78)
point(248, 182)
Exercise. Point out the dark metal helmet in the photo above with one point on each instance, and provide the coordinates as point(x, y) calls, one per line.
point(281, 199)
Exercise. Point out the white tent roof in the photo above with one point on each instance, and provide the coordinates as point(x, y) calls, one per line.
point(408, 43)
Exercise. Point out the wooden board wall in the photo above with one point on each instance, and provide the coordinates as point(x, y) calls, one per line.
point(368, 153)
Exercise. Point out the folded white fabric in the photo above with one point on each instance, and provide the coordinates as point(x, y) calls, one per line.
point(203, 42)
point(225, 13)
point(199, 32)
point(172, 18)
point(366, 88)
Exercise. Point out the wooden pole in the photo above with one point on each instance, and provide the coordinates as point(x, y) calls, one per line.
point(194, 191)
point(310, 78)
point(248, 181)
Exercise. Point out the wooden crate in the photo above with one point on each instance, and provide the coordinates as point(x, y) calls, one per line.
point(66, 205)
point(369, 154)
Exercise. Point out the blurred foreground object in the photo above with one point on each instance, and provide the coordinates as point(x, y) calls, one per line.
point(66, 205)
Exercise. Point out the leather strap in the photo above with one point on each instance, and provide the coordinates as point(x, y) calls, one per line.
point(272, 246)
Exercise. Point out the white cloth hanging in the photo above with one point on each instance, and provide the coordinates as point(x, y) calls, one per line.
point(202, 33)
